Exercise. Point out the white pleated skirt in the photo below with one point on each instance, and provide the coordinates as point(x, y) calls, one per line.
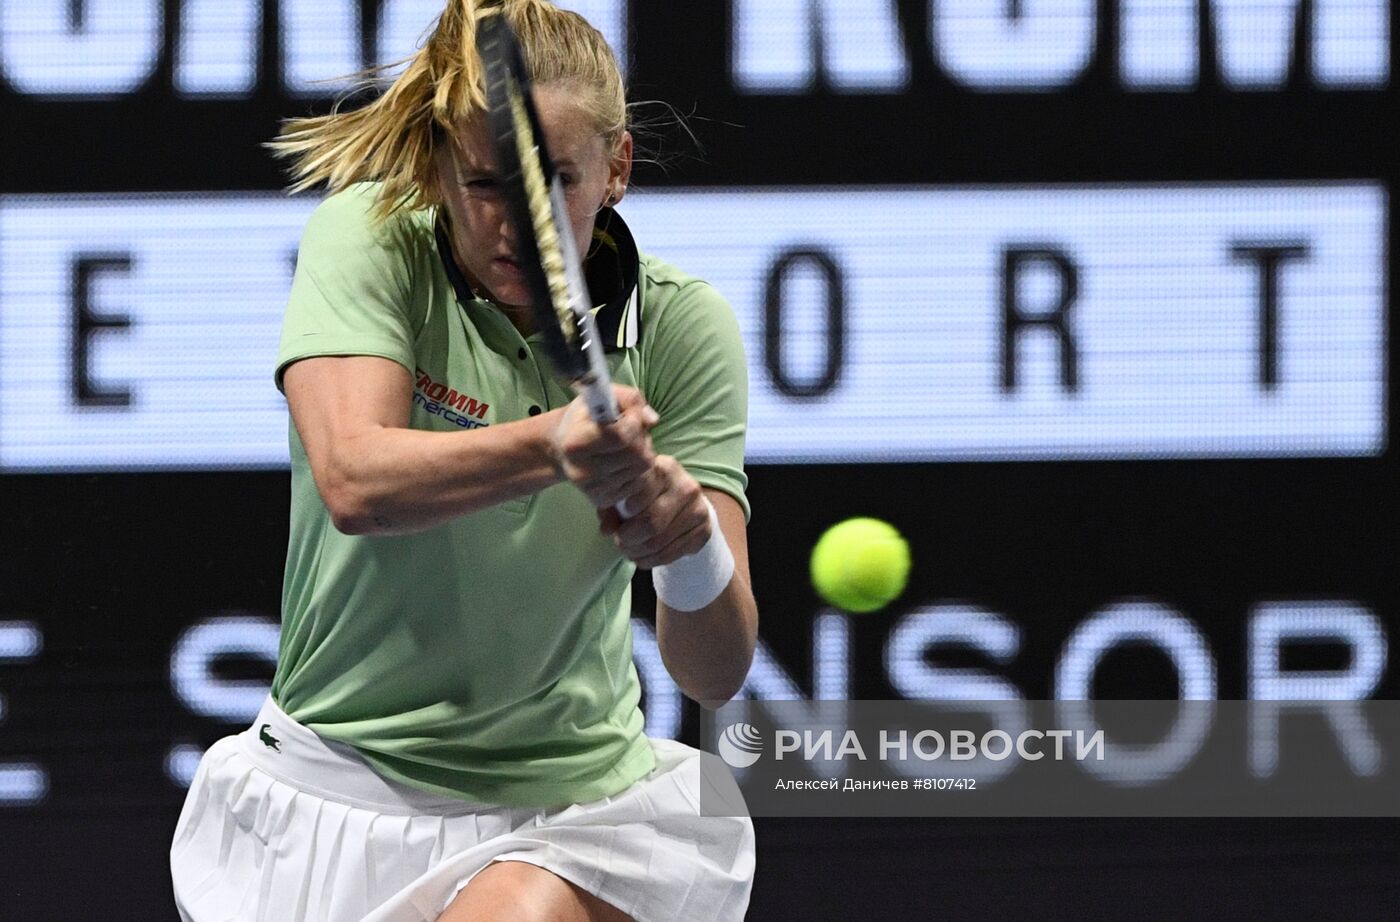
point(280, 825)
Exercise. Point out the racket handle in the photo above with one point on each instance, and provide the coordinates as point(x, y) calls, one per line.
point(602, 403)
point(602, 407)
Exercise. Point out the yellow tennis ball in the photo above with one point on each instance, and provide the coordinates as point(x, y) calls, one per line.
point(860, 564)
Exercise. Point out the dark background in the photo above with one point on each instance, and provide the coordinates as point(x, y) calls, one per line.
point(113, 566)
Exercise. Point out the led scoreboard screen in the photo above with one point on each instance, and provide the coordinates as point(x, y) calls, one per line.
point(939, 320)
point(1091, 298)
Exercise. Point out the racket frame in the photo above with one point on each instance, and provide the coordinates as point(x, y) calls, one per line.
point(561, 306)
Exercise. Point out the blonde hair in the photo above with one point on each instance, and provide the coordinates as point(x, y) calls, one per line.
point(393, 139)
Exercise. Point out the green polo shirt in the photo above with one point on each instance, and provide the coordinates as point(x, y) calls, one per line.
point(489, 658)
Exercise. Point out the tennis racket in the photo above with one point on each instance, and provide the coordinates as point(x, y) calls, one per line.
point(534, 199)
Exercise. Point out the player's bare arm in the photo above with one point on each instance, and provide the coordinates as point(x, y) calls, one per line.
point(658, 514)
point(377, 476)
point(708, 651)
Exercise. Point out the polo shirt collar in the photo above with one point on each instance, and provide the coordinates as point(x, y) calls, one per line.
point(612, 270)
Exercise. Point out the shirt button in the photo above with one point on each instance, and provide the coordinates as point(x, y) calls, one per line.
point(521, 354)
point(535, 411)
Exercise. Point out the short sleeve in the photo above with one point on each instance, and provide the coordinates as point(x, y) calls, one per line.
point(697, 380)
point(351, 290)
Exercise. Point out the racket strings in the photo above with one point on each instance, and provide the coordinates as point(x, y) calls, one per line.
point(541, 216)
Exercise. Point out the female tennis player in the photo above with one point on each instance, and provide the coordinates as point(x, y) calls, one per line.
point(453, 731)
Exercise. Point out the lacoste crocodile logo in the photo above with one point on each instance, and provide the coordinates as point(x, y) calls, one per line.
point(268, 740)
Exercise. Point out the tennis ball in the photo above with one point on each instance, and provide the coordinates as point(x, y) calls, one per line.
point(860, 564)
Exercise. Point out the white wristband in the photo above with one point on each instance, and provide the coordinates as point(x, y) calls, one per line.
point(696, 580)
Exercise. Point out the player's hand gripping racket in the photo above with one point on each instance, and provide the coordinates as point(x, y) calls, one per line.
point(547, 255)
point(544, 243)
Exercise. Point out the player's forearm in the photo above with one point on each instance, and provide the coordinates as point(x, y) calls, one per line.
point(388, 481)
point(708, 652)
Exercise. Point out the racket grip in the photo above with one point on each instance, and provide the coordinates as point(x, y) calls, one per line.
point(602, 403)
point(602, 407)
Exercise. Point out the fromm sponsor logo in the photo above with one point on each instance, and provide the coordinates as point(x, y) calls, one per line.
point(438, 399)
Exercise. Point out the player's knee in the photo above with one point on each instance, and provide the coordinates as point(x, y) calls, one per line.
point(533, 894)
point(514, 891)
